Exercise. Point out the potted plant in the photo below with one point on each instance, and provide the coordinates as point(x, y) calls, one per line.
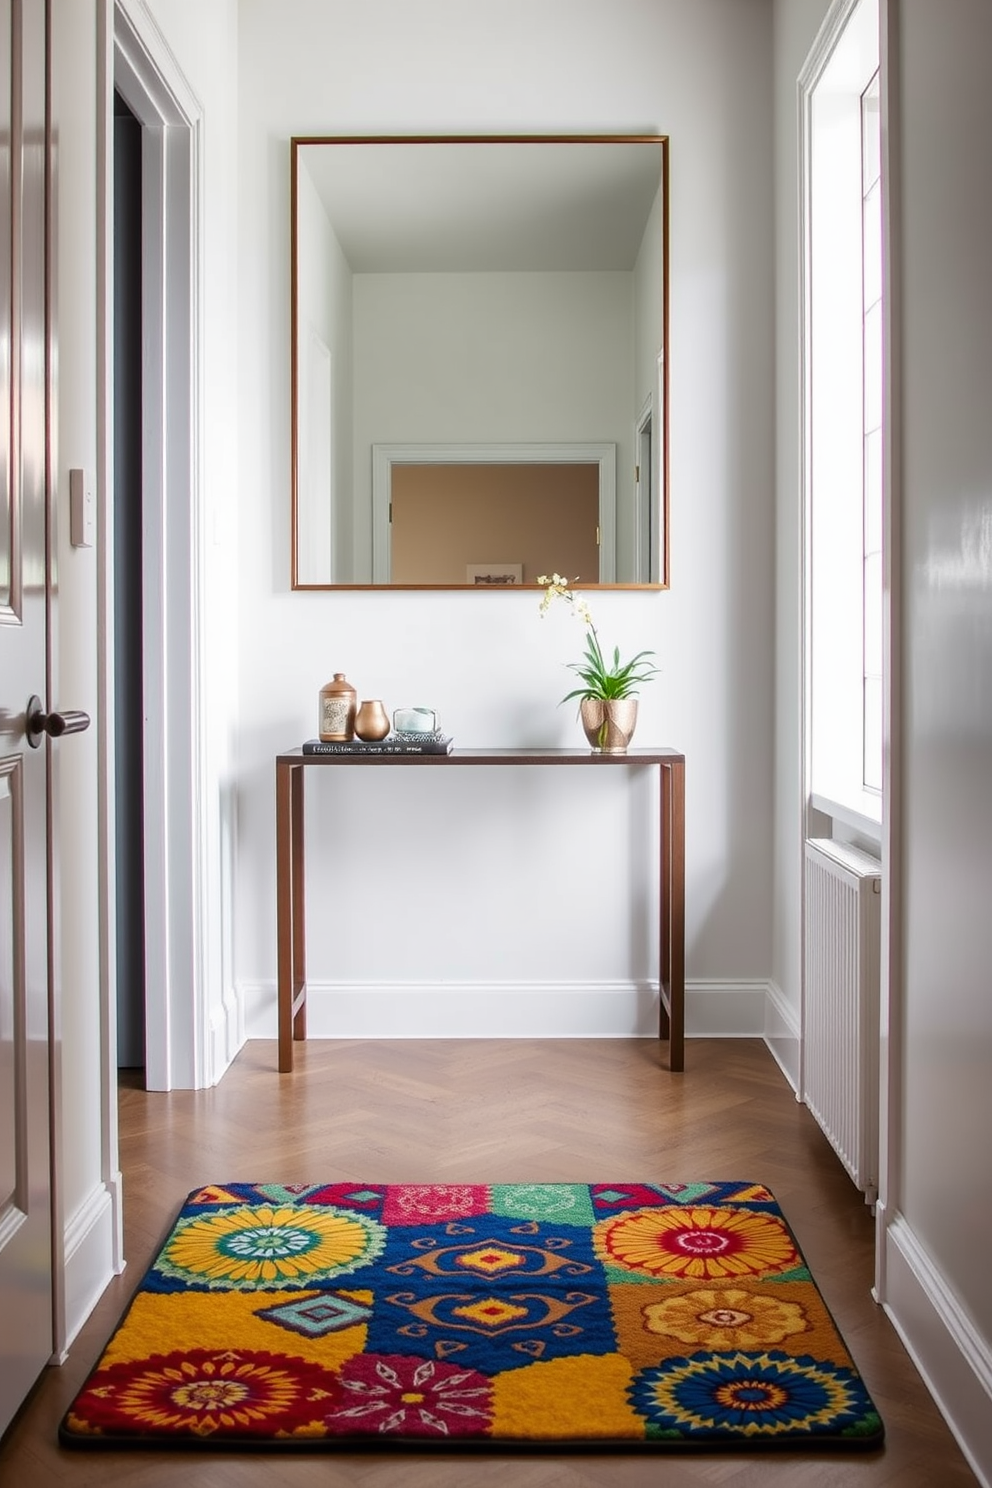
point(608, 695)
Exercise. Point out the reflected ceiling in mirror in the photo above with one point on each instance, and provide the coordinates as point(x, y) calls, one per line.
point(478, 302)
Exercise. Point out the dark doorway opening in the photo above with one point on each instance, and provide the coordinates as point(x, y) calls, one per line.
point(128, 628)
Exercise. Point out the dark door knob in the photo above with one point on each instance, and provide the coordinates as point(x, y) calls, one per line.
point(69, 721)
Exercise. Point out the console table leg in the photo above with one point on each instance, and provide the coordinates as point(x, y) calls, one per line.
point(290, 923)
point(299, 913)
point(284, 913)
point(676, 900)
point(671, 950)
point(665, 905)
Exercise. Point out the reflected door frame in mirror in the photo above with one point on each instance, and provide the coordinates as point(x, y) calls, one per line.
point(598, 458)
point(377, 266)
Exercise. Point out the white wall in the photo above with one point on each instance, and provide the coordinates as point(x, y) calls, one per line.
point(938, 1191)
point(486, 662)
point(946, 314)
point(936, 1198)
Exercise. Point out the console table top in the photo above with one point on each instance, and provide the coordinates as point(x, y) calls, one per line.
point(662, 756)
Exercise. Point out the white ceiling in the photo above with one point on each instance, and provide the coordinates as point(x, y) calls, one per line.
point(486, 205)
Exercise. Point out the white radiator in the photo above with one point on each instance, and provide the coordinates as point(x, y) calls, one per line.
point(841, 1003)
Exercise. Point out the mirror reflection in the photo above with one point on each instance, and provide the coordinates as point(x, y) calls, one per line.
point(479, 374)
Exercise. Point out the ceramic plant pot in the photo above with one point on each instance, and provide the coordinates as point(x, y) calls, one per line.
point(609, 723)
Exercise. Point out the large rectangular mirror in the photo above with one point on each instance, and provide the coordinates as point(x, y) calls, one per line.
point(479, 361)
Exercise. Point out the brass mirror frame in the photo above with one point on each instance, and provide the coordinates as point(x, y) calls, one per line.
point(299, 141)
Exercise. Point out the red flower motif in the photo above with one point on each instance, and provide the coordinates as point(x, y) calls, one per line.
point(204, 1392)
point(401, 1395)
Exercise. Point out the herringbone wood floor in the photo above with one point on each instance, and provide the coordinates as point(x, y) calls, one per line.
point(499, 1111)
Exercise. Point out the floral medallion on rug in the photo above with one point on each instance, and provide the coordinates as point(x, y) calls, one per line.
point(534, 1315)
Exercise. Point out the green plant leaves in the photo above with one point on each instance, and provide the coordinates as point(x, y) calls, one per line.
point(616, 680)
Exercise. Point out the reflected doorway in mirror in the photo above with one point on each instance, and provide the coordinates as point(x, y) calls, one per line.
point(439, 508)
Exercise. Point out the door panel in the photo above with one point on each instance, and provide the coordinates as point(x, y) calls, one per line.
point(11, 983)
point(8, 535)
point(25, 1149)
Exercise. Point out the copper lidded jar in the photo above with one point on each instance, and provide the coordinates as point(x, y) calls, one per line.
point(337, 710)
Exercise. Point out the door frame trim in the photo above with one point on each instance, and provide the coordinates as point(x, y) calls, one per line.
point(140, 64)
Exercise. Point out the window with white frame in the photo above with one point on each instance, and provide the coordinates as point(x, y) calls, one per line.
point(842, 360)
point(871, 274)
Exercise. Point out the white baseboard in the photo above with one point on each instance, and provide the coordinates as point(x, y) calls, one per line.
point(714, 1009)
point(91, 1260)
point(225, 1034)
point(783, 1033)
point(464, 1010)
point(724, 1008)
point(953, 1359)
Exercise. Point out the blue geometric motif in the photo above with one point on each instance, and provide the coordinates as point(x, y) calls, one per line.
point(542, 1296)
point(314, 1317)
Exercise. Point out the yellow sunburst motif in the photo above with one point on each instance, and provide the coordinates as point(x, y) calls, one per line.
point(271, 1246)
point(699, 1243)
point(729, 1319)
point(491, 1312)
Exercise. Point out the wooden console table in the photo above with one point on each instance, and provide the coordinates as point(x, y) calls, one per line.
point(290, 862)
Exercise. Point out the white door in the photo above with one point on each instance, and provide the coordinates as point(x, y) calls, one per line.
point(25, 1171)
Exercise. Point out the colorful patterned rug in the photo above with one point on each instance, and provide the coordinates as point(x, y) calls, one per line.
point(536, 1315)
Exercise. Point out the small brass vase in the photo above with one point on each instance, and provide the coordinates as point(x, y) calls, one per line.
point(371, 720)
point(608, 723)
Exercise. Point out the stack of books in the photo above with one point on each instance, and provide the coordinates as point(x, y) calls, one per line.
point(392, 744)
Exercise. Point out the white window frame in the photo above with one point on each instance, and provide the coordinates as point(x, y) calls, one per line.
point(841, 64)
